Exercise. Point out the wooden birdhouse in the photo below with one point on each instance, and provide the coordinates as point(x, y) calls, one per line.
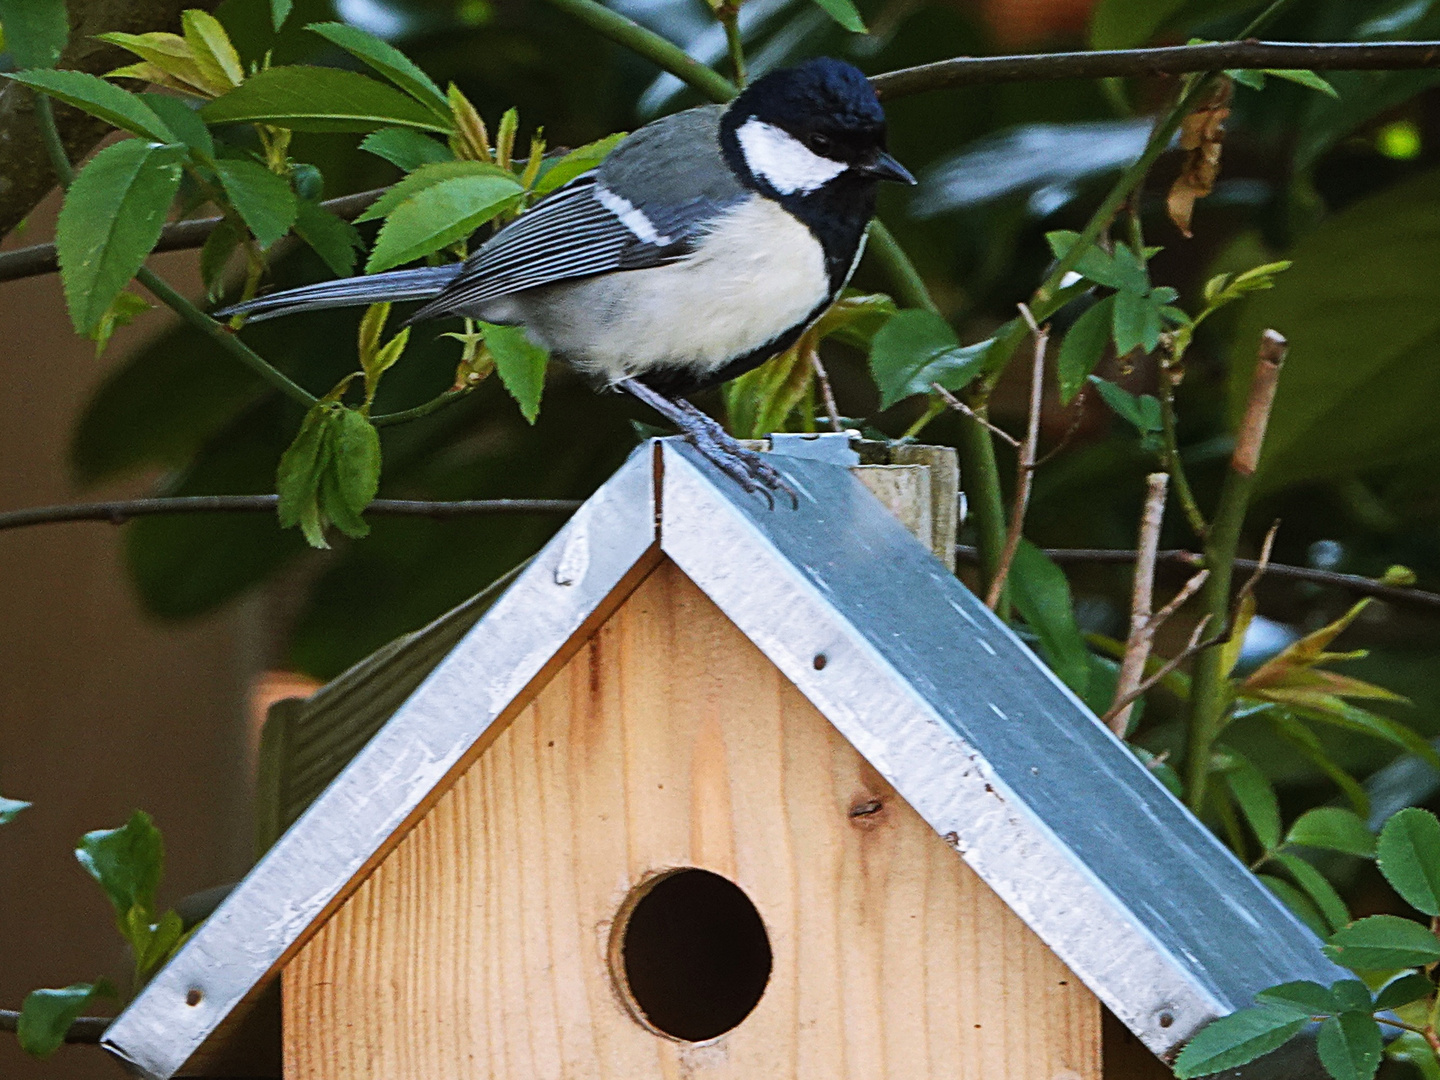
point(718, 791)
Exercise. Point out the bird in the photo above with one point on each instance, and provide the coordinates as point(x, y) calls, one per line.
point(704, 244)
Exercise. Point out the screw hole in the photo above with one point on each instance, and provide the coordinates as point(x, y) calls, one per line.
point(820, 661)
point(1166, 1019)
point(692, 955)
point(194, 996)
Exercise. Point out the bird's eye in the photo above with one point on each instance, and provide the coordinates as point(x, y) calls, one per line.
point(821, 144)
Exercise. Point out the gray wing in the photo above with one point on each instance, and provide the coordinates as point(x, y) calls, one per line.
point(626, 215)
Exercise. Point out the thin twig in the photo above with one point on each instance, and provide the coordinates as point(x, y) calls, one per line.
point(83, 1029)
point(1142, 593)
point(1352, 583)
point(1193, 646)
point(964, 410)
point(123, 510)
point(1025, 468)
point(729, 15)
point(827, 393)
point(1171, 60)
point(1189, 589)
point(177, 236)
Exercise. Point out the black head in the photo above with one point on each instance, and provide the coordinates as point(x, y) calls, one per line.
point(801, 129)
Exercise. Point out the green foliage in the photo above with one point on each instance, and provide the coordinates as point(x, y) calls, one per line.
point(1383, 943)
point(441, 214)
point(10, 809)
point(1407, 988)
point(1124, 24)
point(1042, 596)
point(580, 160)
point(263, 200)
point(918, 348)
point(1256, 798)
point(128, 862)
point(336, 241)
point(387, 61)
point(377, 358)
point(320, 99)
point(280, 11)
point(35, 31)
point(1141, 410)
point(330, 473)
point(111, 218)
point(94, 95)
point(1350, 1046)
point(1237, 1039)
point(845, 13)
point(406, 148)
point(1360, 311)
point(123, 310)
point(1082, 347)
point(1409, 857)
point(46, 1015)
point(520, 363)
point(1332, 828)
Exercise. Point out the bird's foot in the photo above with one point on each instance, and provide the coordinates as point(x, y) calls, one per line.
point(747, 468)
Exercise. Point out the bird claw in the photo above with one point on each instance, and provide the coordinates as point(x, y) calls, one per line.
point(747, 468)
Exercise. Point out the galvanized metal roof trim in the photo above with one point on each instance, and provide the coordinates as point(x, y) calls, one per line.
point(807, 582)
point(241, 943)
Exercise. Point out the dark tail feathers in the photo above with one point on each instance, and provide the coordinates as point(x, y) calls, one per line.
point(422, 283)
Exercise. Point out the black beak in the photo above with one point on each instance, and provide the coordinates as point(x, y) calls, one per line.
point(885, 167)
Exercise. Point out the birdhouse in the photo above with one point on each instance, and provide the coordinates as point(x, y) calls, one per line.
point(715, 790)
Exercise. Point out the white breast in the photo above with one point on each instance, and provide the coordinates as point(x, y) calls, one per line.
point(758, 273)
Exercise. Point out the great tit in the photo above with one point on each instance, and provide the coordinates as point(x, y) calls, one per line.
point(703, 245)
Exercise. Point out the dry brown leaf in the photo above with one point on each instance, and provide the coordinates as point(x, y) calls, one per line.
point(1202, 137)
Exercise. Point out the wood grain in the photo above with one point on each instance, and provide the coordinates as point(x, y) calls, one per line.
point(478, 947)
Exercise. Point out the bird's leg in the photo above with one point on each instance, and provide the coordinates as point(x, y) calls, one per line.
point(747, 468)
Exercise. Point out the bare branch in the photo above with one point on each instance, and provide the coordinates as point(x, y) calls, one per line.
point(1142, 626)
point(1172, 60)
point(827, 393)
point(1189, 589)
point(84, 1029)
point(1025, 469)
point(964, 410)
point(1193, 646)
point(1352, 583)
point(119, 512)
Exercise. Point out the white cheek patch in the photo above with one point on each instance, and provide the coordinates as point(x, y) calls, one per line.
point(782, 161)
point(630, 216)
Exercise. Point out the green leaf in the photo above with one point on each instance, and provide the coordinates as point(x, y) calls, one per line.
point(1042, 596)
point(1355, 719)
point(128, 862)
point(521, 364)
point(1333, 828)
point(320, 99)
point(388, 61)
point(1404, 990)
point(1137, 323)
point(1142, 411)
point(1361, 311)
point(1300, 905)
point(1350, 1046)
point(1409, 854)
point(1411, 1048)
point(123, 310)
point(405, 148)
point(424, 177)
point(184, 121)
point(152, 943)
point(210, 45)
point(1317, 888)
point(1082, 348)
point(577, 162)
point(1304, 997)
point(1237, 1039)
point(111, 218)
point(279, 12)
point(10, 809)
point(845, 13)
point(215, 255)
point(297, 477)
point(264, 201)
point(1383, 943)
point(92, 94)
point(1352, 995)
point(334, 240)
point(356, 467)
point(1121, 270)
point(46, 1015)
point(1304, 78)
point(440, 215)
point(1255, 797)
point(1124, 24)
point(35, 31)
point(916, 348)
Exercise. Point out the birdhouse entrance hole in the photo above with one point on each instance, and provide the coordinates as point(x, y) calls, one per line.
point(691, 955)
